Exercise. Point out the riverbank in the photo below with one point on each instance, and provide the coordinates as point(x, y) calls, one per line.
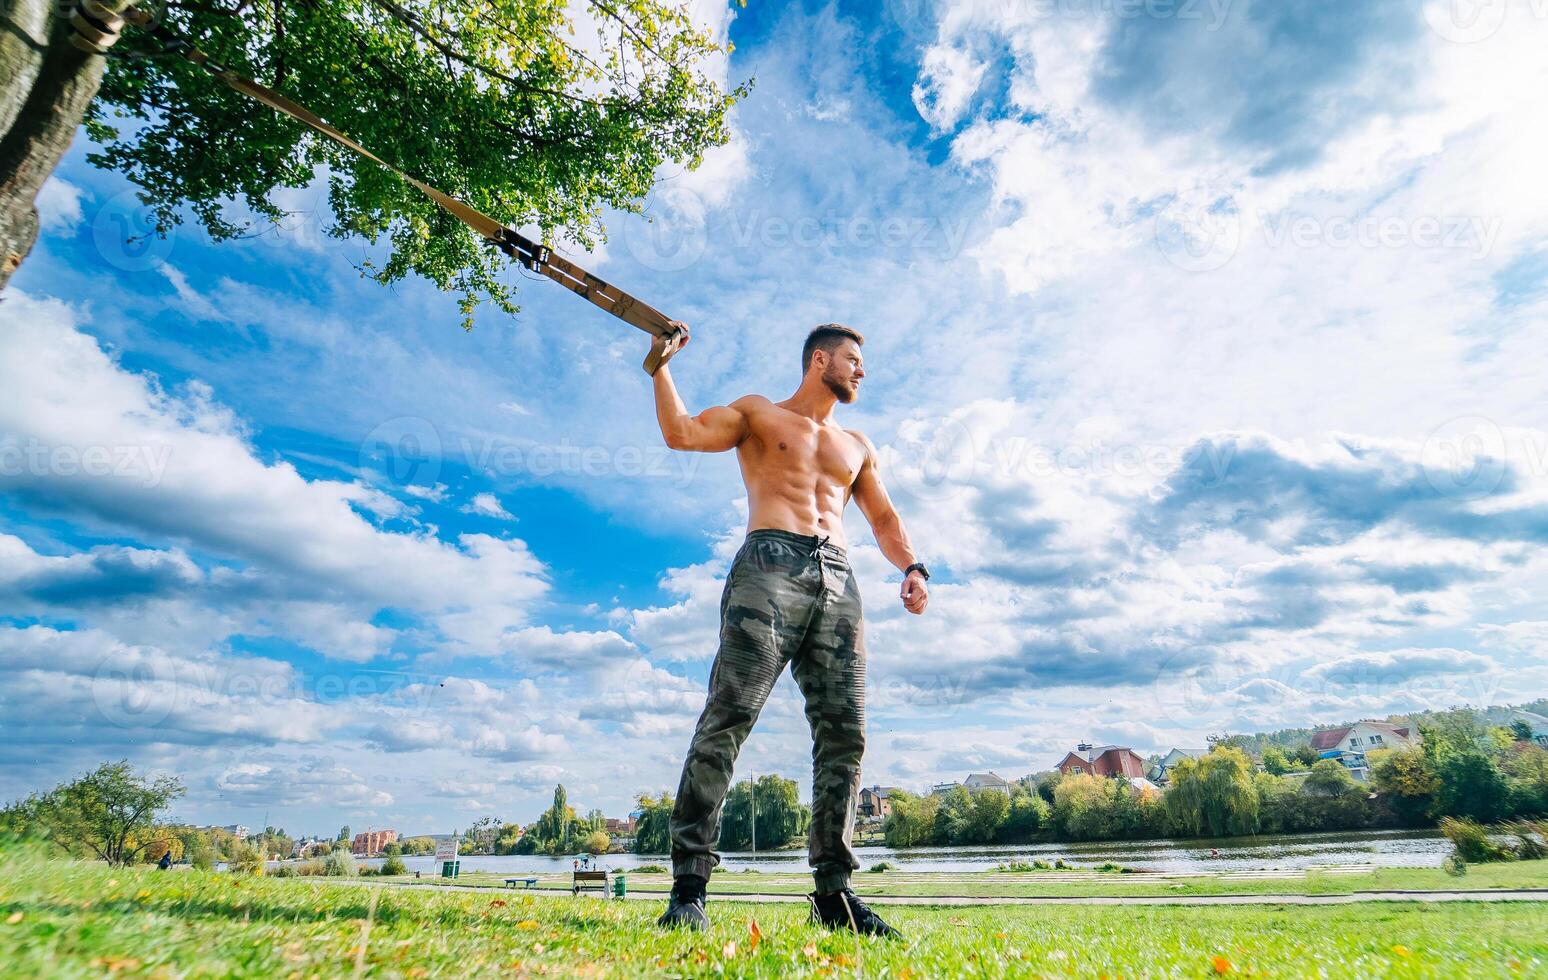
point(1383, 848)
point(61, 918)
point(1068, 883)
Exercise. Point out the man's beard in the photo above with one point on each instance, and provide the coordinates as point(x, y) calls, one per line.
point(841, 389)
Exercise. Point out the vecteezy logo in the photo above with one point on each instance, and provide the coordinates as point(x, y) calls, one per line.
point(1465, 459)
point(407, 449)
point(134, 695)
point(933, 459)
point(670, 236)
point(1465, 21)
point(1192, 687)
point(125, 235)
point(1199, 240)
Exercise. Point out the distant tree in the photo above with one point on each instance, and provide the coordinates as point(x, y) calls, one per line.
point(393, 865)
point(418, 845)
point(912, 820)
point(1304, 756)
point(1501, 739)
point(481, 837)
point(1521, 730)
point(340, 863)
point(1279, 809)
point(202, 857)
point(1082, 807)
point(1225, 740)
point(951, 814)
point(247, 858)
point(1029, 814)
point(554, 831)
point(1275, 761)
point(1328, 778)
point(990, 810)
point(1471, 786)
point(1048, 784)
point(1406, 782)
point(344, 834)
point(1527, 773)
point(596, 842)
point(156, 848)
point(651, 832)
point(1214, 795)
point(109, 813)
point(509, 840)
point(781, 815)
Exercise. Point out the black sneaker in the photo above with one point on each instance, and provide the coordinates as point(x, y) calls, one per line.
point(843, 910)
point(685, 907)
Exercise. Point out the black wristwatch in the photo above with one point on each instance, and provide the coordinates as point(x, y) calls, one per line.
point(917, 566)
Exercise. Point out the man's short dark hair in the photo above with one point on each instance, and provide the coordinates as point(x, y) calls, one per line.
point(827, 337)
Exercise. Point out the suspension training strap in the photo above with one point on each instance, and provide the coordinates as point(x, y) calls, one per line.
point(667, 338)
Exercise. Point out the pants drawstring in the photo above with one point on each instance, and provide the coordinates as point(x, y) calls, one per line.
point(817, 549)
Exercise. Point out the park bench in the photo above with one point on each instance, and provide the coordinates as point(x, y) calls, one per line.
point(589, 879)
point(511, 882)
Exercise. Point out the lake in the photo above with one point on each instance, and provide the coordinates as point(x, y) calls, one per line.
point(1398, 848)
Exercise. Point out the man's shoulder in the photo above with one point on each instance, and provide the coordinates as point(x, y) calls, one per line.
point(864, 440)
point(752, 403)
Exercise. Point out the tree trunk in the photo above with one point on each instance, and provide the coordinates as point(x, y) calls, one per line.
point(45, 86)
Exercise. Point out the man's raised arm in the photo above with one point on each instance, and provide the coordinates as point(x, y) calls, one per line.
point(713, 430)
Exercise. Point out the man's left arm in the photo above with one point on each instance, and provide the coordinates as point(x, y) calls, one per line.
point(885, 523)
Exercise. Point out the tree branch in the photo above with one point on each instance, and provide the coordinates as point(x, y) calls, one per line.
point(413, 22)
point(609, 11)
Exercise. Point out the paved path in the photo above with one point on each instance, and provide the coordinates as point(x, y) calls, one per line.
point(1455, 895)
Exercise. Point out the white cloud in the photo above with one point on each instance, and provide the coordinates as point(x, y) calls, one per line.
point(299, 782)
point(488, 505)
point(194, 303)
point(116, 451)
point(59, 204)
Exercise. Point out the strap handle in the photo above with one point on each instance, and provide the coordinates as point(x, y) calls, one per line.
point(663, 348)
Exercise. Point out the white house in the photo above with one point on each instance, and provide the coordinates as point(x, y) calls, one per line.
point(1349, 743)
point(1363, 737)
point(987, 780)
point(1537, 722)
point(1161, 769)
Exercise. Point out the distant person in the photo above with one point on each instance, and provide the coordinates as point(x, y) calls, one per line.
point(790, 600)
point(165, 863)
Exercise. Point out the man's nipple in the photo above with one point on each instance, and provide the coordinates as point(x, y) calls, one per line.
point(781, 445)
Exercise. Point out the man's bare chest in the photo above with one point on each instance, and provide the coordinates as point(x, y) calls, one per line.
point(786, 441)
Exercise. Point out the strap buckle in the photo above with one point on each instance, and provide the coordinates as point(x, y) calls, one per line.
point(523, 249)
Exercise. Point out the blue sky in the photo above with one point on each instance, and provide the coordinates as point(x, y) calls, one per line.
point(1204, 345)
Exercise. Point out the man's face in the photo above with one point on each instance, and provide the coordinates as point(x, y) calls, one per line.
point(843, 371)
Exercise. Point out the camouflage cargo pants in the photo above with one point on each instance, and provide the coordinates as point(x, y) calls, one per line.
point(789, 598)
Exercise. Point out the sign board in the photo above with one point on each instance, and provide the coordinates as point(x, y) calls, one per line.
point(446, 850)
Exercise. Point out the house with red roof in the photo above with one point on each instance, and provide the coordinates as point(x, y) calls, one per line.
point(1118, 761)
point(1363, 737)
point(1349, 743)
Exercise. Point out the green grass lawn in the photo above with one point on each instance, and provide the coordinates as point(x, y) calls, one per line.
point(63, 919)
point(987, 884)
